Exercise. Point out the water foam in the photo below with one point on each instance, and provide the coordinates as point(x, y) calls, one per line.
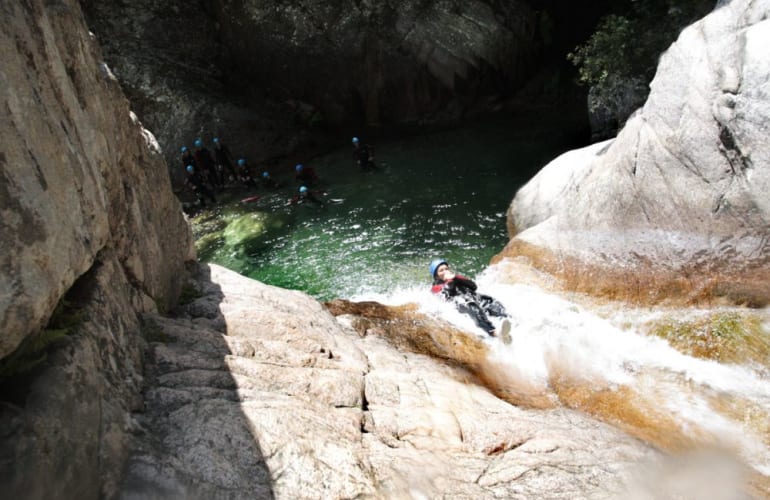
point(551, 334)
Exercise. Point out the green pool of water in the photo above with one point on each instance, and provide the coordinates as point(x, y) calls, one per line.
point(443, 194)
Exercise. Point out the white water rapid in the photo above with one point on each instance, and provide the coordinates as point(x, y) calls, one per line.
point(600, 360)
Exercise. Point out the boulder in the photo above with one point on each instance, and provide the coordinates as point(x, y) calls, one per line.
point(675, 207)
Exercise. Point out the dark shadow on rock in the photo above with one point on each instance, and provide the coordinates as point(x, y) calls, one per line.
point(192, 439)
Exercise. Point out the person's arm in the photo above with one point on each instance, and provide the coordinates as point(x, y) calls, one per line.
point(463, 282)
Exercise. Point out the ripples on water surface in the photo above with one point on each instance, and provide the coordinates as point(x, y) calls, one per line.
point(443, 194)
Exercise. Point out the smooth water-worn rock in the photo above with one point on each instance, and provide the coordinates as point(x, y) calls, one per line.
point(86, 215)
point(256, 391)
point(676, 206)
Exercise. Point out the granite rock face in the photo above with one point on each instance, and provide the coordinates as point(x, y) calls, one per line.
point(676, 206)
point(80, 173)
point(386, 62)
point(259, 392)
point(86, 210)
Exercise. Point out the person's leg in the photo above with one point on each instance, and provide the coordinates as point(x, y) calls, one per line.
point(493, 307)
point(474, 311)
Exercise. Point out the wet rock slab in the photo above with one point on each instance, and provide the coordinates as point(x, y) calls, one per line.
point(260, 392)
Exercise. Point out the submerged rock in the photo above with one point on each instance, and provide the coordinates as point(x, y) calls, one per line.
point(675, 208)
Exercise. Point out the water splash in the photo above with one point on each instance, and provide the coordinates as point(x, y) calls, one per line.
point(565, 353)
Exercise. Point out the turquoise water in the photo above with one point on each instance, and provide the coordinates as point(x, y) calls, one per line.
point(442, 194)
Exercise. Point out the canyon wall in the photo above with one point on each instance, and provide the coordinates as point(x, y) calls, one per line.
point(89, 224)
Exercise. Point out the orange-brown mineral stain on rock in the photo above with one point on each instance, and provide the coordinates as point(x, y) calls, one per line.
point(644, 281)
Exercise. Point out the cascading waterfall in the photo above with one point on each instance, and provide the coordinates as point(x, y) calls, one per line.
point(566, 353)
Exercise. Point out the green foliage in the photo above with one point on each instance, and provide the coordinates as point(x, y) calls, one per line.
point(628, 44)
point(607, 53)
point(33, 350)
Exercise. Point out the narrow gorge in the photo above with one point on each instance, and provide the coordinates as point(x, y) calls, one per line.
point(636, 269)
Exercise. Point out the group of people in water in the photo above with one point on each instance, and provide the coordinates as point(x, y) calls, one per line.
point(210, 171)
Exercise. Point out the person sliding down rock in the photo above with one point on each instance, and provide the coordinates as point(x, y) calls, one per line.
point(462, 292)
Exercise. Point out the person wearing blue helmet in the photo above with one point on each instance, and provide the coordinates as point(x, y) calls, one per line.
point(462, 292)
point(197, 185)
point(224, 159)
point(244, 174)
point(305, 195)
point(267, 181)
point(187, 158)
point(363, 155)
point(206, 165)
point(305, 175)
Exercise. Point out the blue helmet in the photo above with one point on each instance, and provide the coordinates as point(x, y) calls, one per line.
point(355, 140)
point(184, 149)
point(241, 162)
point(198, 143)
point(299, 167)
point(265, 175)
point(216, 140)
point(302, 189)
point(190, 168)
point(434, 264)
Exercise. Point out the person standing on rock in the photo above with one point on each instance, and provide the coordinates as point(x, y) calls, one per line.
point(462, 292)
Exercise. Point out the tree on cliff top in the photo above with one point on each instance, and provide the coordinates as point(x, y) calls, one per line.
point(627, 43)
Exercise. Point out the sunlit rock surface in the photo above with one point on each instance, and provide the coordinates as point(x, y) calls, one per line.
point(80, 174)
point(260, 392)
point(676, 207)
point(86, 209)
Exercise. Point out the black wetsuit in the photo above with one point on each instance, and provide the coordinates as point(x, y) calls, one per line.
point(224, 160)
point(196, 183)
point(305, 197)
point(188, 159)
point(363, 154)
point(307, 176)
point(462, 292)
point(207, 167)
